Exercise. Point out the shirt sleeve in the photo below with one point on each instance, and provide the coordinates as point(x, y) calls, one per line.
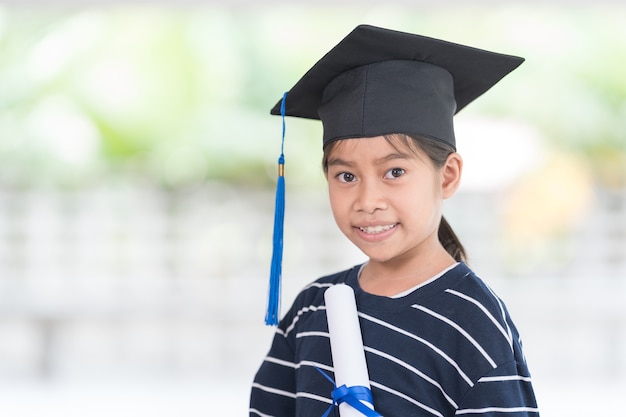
point(274, 389)
point(505, 391)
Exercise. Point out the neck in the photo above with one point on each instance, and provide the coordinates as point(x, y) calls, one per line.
point(395, 276)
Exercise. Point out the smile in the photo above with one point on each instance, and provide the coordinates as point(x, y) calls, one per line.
point(373, 230)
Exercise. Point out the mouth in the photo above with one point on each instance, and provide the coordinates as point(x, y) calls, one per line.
point(374, 230)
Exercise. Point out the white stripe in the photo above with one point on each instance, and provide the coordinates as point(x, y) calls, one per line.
point(258, 413)
point(424, 341)
point(414, 370)
point(281, 362)
point(291, 394)
point(307, 334)
point(274, 390)
point(505, 378)
point(318, 285)
point(508, 337)
point(501, 311)
point(497, 410)
point(460, 330)
point(298, 365)
point(314, 397)
point(300, 312)
point(317, 365)
point(406, 397)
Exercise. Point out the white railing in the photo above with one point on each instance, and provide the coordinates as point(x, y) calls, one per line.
point(129, 279)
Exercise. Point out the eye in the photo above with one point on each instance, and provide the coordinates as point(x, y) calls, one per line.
point(395, 173)
point(345, 177)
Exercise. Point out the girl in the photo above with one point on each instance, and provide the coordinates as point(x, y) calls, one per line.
point(438, 341)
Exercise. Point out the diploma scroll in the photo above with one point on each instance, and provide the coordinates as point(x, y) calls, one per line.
point(346, 343)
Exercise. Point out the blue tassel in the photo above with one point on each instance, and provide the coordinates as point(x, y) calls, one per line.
point(273, 302)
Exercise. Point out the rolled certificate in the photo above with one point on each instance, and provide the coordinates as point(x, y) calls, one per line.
point(346, 343)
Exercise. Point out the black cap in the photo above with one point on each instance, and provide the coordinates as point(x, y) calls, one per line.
point(378, 81)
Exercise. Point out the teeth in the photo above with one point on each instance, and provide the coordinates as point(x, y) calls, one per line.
point(376, 229)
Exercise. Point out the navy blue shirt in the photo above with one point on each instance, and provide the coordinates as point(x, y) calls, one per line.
point(447, 348)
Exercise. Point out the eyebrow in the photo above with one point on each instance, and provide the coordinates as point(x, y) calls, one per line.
point(339, 161)
point(378, 161)
point(391, 157)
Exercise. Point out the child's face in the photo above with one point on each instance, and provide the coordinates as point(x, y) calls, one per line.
point(388, 199)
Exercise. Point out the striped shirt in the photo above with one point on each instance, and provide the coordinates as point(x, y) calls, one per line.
point(448, 348)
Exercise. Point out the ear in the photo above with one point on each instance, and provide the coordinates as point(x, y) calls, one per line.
point(451, 175)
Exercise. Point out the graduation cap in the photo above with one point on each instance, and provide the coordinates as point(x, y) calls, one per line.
point(378, 81)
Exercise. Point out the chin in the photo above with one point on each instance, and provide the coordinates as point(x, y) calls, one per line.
point(378, 257)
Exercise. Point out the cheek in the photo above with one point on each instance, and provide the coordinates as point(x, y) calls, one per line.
point(339, 205)
point(417, 201)
point(337, 198)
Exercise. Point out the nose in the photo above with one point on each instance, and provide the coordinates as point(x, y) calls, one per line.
point(370, 197)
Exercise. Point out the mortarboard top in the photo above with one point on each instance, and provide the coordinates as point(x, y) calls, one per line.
point(378, 81)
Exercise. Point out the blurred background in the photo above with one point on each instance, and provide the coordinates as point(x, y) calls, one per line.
point(137, 174)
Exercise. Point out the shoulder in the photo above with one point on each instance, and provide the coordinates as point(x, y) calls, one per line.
point(475, 302)
point(315, 290)
point(468, 288)
point(474, 316)
point(311, 298)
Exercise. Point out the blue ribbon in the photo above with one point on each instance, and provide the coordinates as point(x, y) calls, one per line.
point(352, 396)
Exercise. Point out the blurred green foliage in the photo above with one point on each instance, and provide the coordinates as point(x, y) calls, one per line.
point(181, 95)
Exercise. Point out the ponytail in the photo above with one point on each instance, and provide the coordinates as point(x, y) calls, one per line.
point(450, 241)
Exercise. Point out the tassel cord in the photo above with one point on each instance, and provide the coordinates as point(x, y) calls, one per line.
point(273, 303)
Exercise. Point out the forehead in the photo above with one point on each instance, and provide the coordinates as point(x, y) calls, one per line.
point(382, 145)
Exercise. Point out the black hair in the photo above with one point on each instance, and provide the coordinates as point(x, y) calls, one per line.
point(438, 153)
